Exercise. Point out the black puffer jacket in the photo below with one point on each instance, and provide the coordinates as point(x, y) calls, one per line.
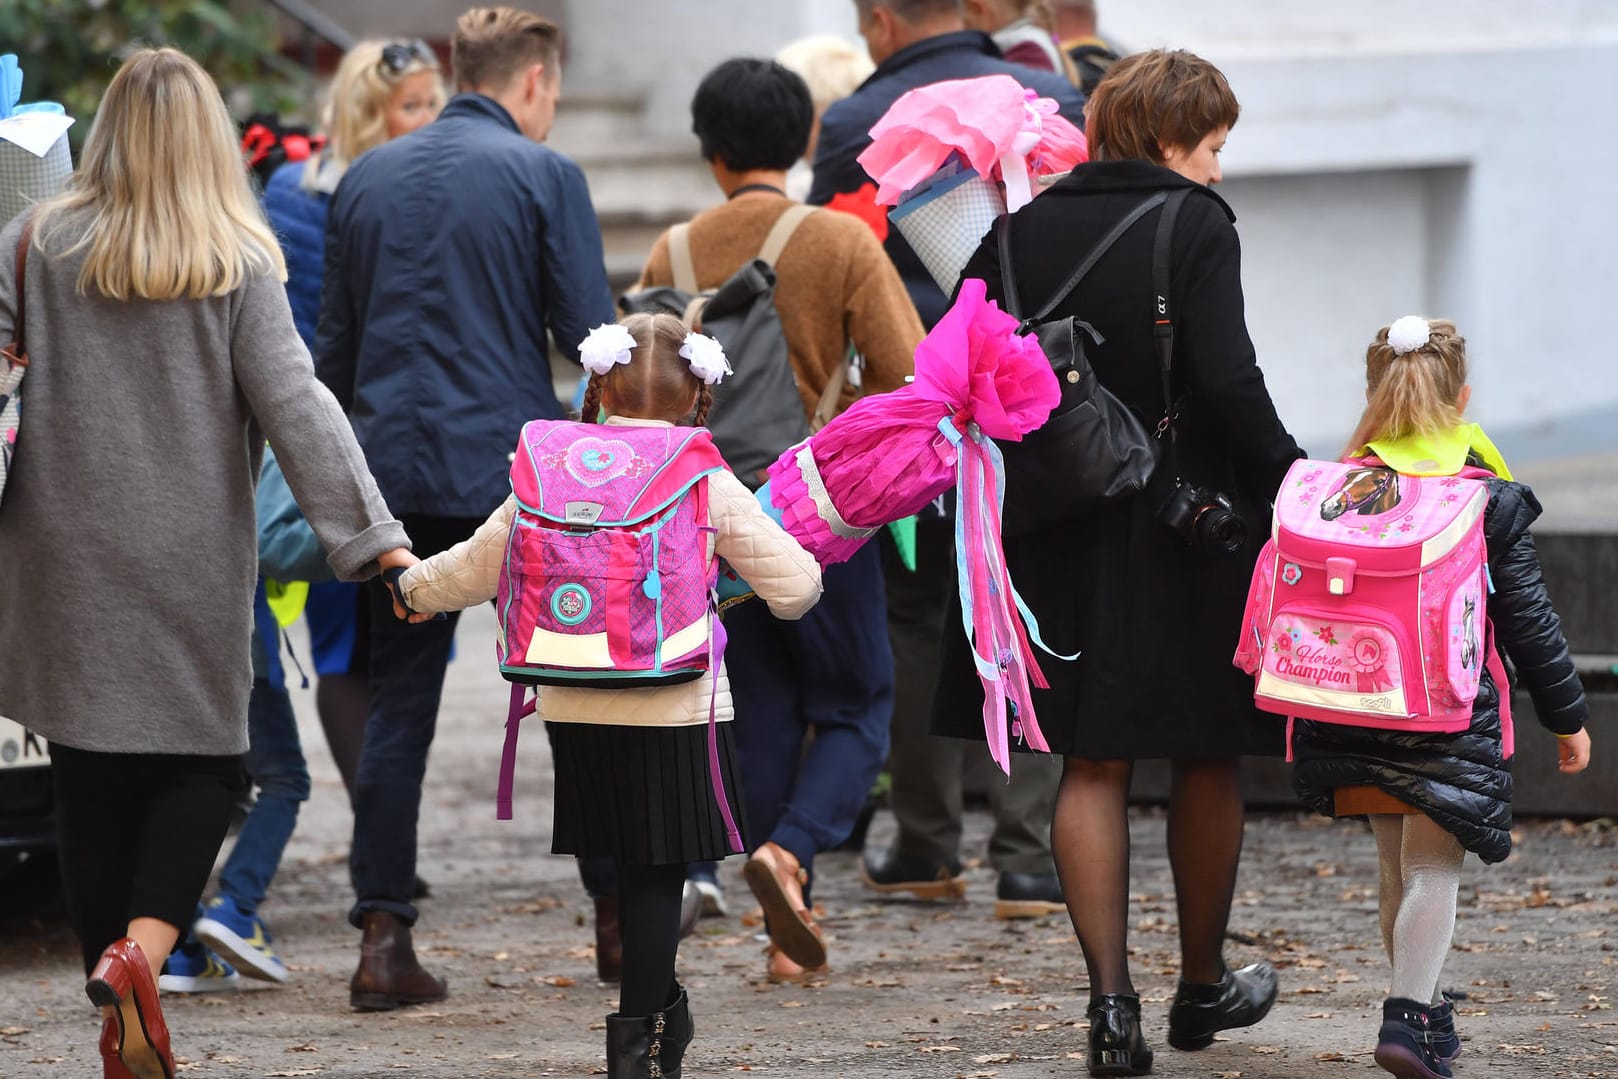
point(1461, 780)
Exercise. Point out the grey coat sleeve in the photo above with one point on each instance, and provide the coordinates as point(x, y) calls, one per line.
point(313, 441)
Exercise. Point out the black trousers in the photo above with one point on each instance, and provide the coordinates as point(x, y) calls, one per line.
point(137, 835)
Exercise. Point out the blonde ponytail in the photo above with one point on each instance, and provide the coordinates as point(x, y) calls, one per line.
point(1416, 392)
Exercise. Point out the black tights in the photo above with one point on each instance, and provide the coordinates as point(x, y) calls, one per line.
point(649, 920)
point(1090, 841)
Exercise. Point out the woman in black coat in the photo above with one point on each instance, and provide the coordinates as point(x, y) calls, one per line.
point(1156, 619)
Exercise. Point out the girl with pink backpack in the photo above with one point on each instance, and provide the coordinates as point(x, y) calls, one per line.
point(1379, 610)
point(603, 564)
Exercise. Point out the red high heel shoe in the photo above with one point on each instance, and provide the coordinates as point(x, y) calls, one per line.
point(111, 1066)
point(136, 1038)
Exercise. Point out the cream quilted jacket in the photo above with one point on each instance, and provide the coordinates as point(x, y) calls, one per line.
point(781, 572)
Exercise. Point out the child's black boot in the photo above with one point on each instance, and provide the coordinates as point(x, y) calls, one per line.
point(1441, 1025)
point(1404, 1044)
point(650, 1046)
point(1117, 1046)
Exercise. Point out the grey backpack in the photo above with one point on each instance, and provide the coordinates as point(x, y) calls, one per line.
point(757, 411)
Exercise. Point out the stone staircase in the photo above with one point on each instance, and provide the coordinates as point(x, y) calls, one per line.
point(641, 181)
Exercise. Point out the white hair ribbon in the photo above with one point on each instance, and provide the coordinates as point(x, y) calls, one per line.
point(606, 347)
point(706, 357)
point(1408, 333)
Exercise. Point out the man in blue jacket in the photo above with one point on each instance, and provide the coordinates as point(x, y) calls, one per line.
point(449, 252)
point(917, 43)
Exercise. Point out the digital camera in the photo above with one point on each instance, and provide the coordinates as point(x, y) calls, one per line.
point(1205, 518)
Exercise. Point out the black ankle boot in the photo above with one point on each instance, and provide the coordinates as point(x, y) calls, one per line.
point(1441, 1025)
point(1239, 999)
point(650, 1046)
point(1116, 1044)
point(1404, 1045)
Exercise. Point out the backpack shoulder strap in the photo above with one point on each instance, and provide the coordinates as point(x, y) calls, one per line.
point(685, 270)
point(781, 232)
point(1008, 277)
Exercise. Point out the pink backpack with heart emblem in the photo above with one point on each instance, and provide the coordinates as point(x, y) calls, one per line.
point(609, 575)
point(1368, 604)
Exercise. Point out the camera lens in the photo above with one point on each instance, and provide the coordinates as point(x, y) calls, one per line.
point(1219, 531)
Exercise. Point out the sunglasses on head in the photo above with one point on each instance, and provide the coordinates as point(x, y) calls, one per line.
point(401, 54)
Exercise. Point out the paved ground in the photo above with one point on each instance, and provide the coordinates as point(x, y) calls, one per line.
point(916, 990)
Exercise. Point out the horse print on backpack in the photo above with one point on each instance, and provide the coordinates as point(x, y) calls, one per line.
point(1366, 491)
point(1365, 604)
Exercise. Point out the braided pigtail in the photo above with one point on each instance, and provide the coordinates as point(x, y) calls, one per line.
point(590, 411)
point(704, 406)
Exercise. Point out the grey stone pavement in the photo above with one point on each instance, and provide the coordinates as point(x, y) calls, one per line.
point(915, 989)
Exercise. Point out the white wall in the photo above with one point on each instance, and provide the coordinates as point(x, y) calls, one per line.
point(1453, 158)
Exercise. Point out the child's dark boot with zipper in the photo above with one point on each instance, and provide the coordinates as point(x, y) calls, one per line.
point(1404, 1046)
point(650, 1046)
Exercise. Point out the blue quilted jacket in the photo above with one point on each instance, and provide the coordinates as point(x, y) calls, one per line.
point(299, 220)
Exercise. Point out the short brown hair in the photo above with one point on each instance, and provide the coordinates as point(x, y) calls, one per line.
point(1157, 98)
point(492, 44)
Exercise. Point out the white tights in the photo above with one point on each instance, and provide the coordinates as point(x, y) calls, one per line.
point(1421, 873)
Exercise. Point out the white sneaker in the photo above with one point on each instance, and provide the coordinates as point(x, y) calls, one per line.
point(713, 898)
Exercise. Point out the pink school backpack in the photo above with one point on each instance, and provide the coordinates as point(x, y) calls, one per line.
point(607, 579)
point(1367, 606)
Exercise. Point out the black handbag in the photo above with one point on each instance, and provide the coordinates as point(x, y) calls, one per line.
point(1092, 450)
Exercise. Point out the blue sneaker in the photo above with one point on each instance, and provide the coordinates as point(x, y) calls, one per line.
point(241, 938)
point(192, 968)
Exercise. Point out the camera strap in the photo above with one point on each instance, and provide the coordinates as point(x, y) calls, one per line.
point(1163, 316)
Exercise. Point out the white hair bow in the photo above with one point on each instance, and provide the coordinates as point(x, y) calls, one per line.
point(606, 346)
point(706, 357)
point(1408, 333)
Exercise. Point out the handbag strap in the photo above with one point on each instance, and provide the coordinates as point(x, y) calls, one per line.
point(781, 232)
point(17, 351)
point(1009, 279)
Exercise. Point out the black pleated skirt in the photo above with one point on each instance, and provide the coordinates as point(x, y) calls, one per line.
point(642, 795)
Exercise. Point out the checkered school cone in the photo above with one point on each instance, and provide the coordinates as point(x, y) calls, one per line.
point(945, 221)
point(26, 179)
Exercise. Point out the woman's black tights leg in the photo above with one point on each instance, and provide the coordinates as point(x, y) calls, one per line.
point(1205, 845)
point(649, 919)
point(1090, 841)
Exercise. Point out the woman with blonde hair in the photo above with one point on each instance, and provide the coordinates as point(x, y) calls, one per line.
point(163, 353)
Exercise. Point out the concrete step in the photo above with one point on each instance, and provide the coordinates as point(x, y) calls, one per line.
point(584, 119)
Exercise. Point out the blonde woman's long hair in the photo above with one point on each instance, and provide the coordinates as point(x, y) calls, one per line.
point(355, 116)
point(172, 213)
point(1416, 392)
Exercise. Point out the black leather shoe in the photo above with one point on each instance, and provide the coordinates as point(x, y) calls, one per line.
point(890, 872)
point(1117, 1046)
point(1028, 895)
point(1239, 999)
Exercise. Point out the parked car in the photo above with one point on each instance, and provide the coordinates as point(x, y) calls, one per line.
point(25, 790)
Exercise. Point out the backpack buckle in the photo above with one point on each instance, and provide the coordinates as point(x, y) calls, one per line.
point(1340, 575)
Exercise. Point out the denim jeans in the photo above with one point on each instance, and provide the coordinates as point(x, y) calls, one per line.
point(829, 674)
point(407, 681)
point(276, 764)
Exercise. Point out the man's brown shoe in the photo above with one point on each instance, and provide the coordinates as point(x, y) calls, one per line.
point(388, 975)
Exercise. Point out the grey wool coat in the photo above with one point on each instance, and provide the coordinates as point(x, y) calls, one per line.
point(128, 552)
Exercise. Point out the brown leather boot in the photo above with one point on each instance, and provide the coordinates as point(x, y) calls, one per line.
point(609, 945)
point(388, 974)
